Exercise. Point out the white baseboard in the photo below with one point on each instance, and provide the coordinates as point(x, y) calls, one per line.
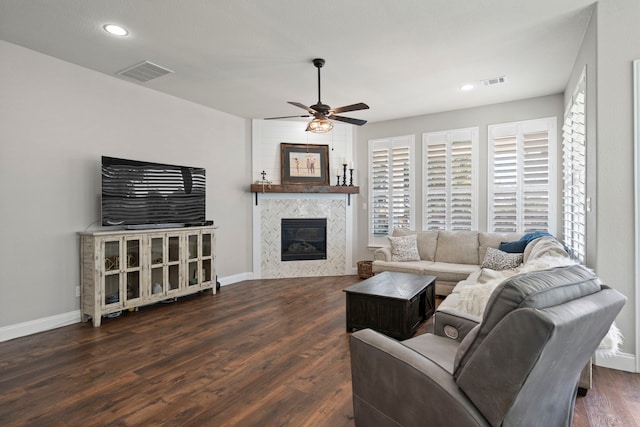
point(622, 362)
point(39, 325)
point(229, 280)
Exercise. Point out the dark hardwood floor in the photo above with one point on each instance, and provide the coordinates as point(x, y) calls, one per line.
point(259, 353)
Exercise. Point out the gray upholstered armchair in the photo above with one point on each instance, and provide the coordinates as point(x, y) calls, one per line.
point(519, 367)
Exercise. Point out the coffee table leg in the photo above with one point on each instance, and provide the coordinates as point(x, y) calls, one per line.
point(430, 303)
point(348, 310)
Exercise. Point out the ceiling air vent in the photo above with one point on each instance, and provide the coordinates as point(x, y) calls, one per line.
point(144, 71)
point(494, 81)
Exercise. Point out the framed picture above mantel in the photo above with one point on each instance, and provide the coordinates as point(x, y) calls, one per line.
point(304, 164)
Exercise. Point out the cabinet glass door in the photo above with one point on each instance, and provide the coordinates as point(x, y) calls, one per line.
point(132, 268)
point(207, 258)
point(194, 252)
point(157, 266)
point(207, 268)
point(173, 263)
point(111, 291)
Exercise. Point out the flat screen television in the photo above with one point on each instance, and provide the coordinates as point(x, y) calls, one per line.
point(137, 194)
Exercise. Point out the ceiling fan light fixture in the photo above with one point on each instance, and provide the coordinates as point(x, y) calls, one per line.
point(320, 125)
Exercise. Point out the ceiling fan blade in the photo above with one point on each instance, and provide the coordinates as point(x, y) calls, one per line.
point(352, 107)
point(349, 120)
point(286, 117)
point(304, 107)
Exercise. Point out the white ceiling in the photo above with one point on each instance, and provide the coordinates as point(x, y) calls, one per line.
point(248, 57)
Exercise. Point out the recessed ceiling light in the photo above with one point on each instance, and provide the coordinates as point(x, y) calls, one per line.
point(466, 87)
point(116, 30)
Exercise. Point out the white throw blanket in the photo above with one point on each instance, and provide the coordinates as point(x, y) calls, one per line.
point(473, 299)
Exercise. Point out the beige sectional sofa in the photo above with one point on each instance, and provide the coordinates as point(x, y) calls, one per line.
point(451, 256)
point(456, 258)
point(463, 308)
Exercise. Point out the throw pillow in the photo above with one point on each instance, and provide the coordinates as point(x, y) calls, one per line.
point(404, 248)
point(496, 259)
point(516, 247)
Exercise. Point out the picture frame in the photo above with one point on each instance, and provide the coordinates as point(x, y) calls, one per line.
point(304, 164)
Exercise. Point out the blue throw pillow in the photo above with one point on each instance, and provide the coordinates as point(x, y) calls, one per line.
point(530, 237)
point(516, 247)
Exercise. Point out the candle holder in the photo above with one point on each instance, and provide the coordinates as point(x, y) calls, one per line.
point(350, 177)
point(344, 176)
point(337, 180)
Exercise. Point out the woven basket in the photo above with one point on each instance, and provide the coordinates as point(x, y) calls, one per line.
point(365, 269)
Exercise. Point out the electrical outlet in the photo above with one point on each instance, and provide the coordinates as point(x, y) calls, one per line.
point(77, 291)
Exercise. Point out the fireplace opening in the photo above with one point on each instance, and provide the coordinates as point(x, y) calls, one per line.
point(303, 239)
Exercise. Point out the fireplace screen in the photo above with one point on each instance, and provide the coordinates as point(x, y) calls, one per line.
point(304, 239)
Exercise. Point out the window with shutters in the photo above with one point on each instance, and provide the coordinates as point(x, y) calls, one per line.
point(391, 192)
point(522, 176)
point(574, 157)
point(450, 180)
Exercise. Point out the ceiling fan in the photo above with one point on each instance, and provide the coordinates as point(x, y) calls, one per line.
point(322, 113)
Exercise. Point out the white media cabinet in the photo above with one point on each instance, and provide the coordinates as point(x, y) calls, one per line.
point(125, 269)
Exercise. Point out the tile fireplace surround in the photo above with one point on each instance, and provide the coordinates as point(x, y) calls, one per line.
point(267, 216)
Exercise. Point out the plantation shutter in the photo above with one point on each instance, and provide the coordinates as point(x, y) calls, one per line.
point(536, 181)
point(520, 176)
point(380, 191)
point(504, 197)
point(574, 173)
point(449, 180)
point(436, 185)
point(391, 192)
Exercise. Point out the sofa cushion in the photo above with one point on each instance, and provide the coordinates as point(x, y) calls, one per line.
point(493, 240)
point(440, 350)
point(465, 283)
point(537, 289)
point(427, 242)
point(464, 345)
point(459, 247)
point(404, 248)
point(450, 272)
point(414, 267)
point(496, 259)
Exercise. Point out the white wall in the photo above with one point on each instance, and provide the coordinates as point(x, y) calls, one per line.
point(547, 106)
point(618, 33)
point(267, 135)
point(56, 120)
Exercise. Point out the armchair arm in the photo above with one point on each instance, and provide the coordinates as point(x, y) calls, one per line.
point(452, 323)
point(382, 254)
point(394, 385)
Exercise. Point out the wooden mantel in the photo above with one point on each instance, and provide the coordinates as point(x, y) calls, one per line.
point(305, 188)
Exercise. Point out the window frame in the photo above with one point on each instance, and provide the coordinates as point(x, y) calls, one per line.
point(407, 141)
point(448, 138)
point(519, 130)
point(575, 204)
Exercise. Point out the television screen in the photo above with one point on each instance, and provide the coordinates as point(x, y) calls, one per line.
point(138, 194)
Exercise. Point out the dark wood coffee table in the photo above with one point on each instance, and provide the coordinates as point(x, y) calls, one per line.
point(391, 303)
